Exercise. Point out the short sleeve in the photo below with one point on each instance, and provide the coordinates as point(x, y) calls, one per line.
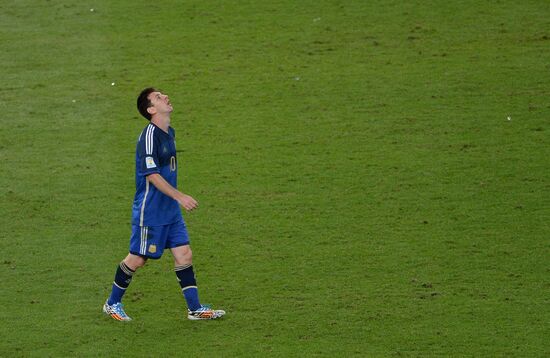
point(147, 151)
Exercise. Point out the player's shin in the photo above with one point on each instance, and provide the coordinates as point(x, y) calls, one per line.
point(123, 277)
point(186, 278)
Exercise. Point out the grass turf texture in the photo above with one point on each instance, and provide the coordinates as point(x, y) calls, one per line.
point(361, 189)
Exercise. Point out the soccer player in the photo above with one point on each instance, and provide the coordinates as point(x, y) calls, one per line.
point(157, 223)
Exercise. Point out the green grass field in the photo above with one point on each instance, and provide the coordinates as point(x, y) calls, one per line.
point(373, 177)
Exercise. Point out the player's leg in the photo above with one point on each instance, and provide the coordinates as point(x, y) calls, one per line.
point(140, 239)
point(183, 265)
point(125, 271)
point(123, 276)
point(178, 242)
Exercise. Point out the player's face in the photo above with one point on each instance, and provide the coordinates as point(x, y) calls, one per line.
point(160, 102)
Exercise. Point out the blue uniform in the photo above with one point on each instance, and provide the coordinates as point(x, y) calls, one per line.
point(155, 153)
point(157, 222)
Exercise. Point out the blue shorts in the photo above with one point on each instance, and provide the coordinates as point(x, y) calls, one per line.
point(150, 241)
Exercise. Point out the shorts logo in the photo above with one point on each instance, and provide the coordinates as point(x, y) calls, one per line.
point(152, 248)
point(150, 162)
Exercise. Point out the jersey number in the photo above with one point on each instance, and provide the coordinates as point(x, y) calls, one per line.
point(172, 164)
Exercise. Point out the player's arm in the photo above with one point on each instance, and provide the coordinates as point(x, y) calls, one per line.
point(161, 184)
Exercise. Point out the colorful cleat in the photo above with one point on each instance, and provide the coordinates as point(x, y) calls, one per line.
point(116, 311)
point(205, 312)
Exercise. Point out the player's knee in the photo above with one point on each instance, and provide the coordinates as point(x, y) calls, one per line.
point(140, 262)
point(134, 261)
point(183, 257)
point(186, 258)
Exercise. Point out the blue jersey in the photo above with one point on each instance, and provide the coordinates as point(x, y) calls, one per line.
point(155, 153)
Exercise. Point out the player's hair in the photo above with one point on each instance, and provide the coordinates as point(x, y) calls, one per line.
point(143, 102)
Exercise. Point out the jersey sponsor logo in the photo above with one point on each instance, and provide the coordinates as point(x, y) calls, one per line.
point(150, 162)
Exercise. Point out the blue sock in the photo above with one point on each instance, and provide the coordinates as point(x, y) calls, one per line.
point(123, 277)
point(186, 278)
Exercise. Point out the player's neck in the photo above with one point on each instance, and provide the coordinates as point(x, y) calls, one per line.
point(161, 122)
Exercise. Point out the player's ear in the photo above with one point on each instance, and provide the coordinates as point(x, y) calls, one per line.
point(151, 110)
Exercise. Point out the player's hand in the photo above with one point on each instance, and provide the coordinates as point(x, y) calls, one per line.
point(187, 202)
